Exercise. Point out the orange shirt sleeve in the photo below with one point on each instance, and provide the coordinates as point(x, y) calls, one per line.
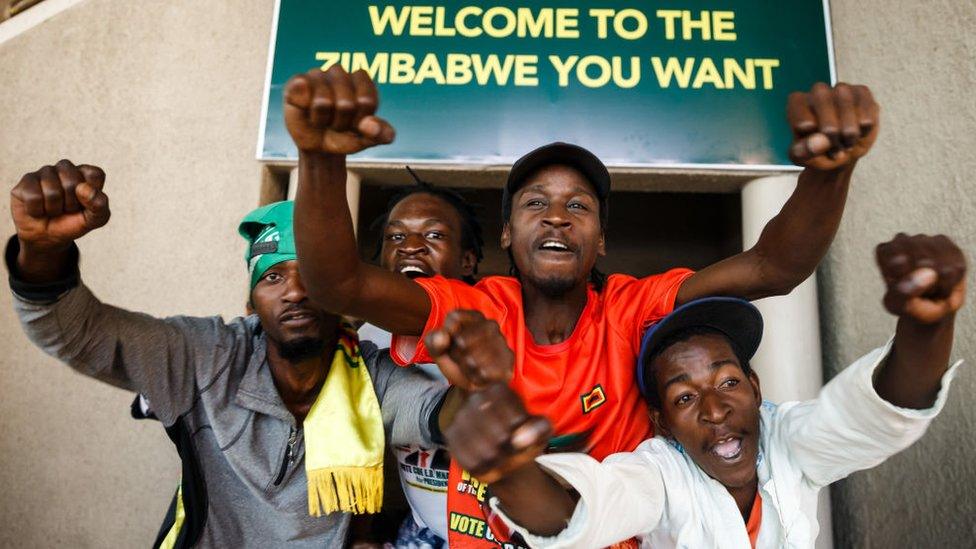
point(445, 296)
point(636, 303)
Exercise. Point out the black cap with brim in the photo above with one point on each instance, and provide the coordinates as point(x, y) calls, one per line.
point(558, 153)
point(738, 319)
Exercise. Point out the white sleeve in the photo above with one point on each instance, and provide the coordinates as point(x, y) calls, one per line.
point(849, 427)
point(619, 498)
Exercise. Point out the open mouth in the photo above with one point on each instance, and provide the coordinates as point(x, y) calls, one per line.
point(412, 271)
point(553, 245)
point(728, 448)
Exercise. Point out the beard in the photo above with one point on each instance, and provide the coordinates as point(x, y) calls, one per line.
point(301, 348)
point(554, 286)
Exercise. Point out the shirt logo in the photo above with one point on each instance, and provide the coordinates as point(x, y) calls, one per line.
point(593, 399)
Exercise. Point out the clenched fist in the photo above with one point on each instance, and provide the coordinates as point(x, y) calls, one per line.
point(925, 277)
point(470, 350)
point(492, 434)
point(332, 112)
point(58, 204)
point(832, 127)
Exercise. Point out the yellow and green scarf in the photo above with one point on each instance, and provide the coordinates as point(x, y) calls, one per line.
point(344, 437)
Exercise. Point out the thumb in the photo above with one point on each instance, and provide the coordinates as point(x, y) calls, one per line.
point(534, 432)
point(95, 204)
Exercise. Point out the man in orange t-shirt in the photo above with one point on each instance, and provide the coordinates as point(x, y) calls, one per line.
point(575, 333)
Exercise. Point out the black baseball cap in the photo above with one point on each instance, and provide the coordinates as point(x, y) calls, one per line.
point(738, 319)
point(556, 153)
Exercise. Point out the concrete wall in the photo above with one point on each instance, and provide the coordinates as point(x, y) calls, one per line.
point(166, 97)
point(920, 60)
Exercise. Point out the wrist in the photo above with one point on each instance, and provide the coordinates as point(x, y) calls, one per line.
point(916, 327)
point(35, 251)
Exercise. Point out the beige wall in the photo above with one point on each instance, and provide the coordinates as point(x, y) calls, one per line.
point(920, 60)
point(166, 97)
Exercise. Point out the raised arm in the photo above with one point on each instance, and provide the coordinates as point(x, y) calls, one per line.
point(161, 358)
point(832, 128)
point(925, 276)
point(886, 400)
point(330, 115)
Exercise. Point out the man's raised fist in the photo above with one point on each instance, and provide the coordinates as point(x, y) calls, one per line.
point(925, 277)
point(832, 127)
point(58, 204)
point(332, 112)
point(492, 434)
point(470, 350)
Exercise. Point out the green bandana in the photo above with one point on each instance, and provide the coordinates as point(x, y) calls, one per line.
point(270, 237)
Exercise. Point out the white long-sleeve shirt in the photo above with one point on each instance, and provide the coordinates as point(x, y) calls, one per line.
point(660, 495)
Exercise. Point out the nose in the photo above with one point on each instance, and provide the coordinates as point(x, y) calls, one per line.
point(713, 408)
point(294, 290)
point(556, 216)
point(413, 244)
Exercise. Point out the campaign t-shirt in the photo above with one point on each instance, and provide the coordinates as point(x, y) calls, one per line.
point(422, 471)
point(585, 384)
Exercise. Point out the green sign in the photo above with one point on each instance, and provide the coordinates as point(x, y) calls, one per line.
point(653, 83)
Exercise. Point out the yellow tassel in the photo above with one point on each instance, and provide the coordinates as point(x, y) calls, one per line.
point(355, 490)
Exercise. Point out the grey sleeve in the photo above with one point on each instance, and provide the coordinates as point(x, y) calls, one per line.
point(408, 399)
point(164, 359)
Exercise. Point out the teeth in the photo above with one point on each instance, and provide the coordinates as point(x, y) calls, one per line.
point(553, 245)
point(411, 269)
point(728, 448)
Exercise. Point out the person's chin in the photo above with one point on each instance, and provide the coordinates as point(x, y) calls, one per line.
point(555, 284)
point(298, 348)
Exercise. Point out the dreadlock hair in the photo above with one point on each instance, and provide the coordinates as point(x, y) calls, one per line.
point(471, 234)
point(597, 277)
point(680, 336)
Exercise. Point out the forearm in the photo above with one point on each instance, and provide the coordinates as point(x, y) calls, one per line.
point(911, 377)
point(794, 242)
point(534, 500)
point(324, 235)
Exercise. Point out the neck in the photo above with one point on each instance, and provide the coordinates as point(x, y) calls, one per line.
point(745, 496)
point(299, 383)
point(552, 319)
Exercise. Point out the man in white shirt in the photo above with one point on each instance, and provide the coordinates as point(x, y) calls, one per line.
point(726, 469)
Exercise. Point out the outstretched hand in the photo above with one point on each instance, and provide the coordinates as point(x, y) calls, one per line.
point(333, 112)
point(493, 435)
point(832, 126)
point(925, 277)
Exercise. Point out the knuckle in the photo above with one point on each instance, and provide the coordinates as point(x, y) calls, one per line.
point(366, 101)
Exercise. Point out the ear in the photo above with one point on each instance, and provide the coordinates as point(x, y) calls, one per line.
point(249, 308)
point(754, 381)
point(601, 245)
point(660, 425)
point(506, 240)
point(468, 263)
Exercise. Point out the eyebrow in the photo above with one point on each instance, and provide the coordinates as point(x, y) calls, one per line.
point(428, 221)
point(685, 377)
point(579, 189)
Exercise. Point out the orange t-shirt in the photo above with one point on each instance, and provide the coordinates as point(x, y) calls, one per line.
point(585, 384)
point(755, 520)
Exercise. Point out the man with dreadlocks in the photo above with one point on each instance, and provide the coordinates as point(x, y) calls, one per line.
point(426, 231)
point(575, 336)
